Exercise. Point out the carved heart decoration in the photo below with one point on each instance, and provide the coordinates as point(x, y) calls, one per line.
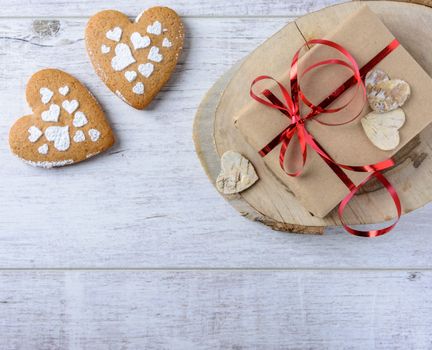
point(67, 124)
point(237, 173)
point(385, 94)
point(135, 59)
point(383, 128)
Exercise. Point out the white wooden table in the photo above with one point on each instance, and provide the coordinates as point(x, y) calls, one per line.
point(136, 250)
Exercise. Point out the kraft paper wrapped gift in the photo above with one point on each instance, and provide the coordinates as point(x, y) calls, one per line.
point(318, 188)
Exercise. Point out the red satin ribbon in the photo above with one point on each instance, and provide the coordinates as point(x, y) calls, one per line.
point(291, 108)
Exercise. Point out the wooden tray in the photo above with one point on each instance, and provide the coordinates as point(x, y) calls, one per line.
point(268, 201)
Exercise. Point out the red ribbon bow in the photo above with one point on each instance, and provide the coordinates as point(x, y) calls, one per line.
point(291, 108)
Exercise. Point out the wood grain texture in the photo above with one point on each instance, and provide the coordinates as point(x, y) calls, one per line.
point(216, 310)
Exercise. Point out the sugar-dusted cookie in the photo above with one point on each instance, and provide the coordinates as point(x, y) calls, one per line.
point(67, 124)
point(135, 59)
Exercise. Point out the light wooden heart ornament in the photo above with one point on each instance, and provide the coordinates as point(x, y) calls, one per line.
point(237, 173)
point(383, 128)
point(135, 59)
point(385, 97)
point(67, 124)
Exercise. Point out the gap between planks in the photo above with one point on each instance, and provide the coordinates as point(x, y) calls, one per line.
point(217, 269)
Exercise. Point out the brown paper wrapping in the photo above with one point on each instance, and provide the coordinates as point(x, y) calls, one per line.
point(318, 188)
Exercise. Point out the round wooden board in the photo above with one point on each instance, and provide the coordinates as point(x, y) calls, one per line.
point(268, 201)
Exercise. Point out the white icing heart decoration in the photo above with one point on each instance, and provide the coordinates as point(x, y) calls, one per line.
point(46, 95)
point(70, 106)
point(64, 90)
point(237, 173)
point(166, 43)
point(43, 149)
point(94, 134)
point(114, 34)
point(138, 88)
point(105, 49)
point(382, 129)
point(154, 54)
point(138, 41)
point(146, 69)
point(123, 57)
point(59, 135)
point(155, 28)
point(130, 75)
point(35, 133)
point(79, 120)
point(79, 136)
point(52, 114)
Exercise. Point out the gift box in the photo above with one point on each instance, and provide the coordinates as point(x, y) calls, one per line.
point(318, 189)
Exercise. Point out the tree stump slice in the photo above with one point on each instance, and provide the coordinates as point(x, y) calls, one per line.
point(270, 202)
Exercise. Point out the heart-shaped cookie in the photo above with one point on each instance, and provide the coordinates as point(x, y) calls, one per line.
point(385, 94)
point(383, 128)
point(67, 124)
point(135, 59)
point(237, 173)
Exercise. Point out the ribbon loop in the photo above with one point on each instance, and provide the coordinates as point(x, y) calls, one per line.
point(390, 189)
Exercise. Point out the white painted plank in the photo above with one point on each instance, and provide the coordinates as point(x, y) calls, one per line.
point(216, 310)
point(241, 8)
point(147, 202)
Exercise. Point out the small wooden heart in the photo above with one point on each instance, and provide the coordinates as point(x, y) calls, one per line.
point(135, 59)
point(237, 173)
point(385, 94)
point(67, 124)
point(382, 129)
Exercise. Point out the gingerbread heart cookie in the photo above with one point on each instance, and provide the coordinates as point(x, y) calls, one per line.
point(67, 124)
point(135, 59)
